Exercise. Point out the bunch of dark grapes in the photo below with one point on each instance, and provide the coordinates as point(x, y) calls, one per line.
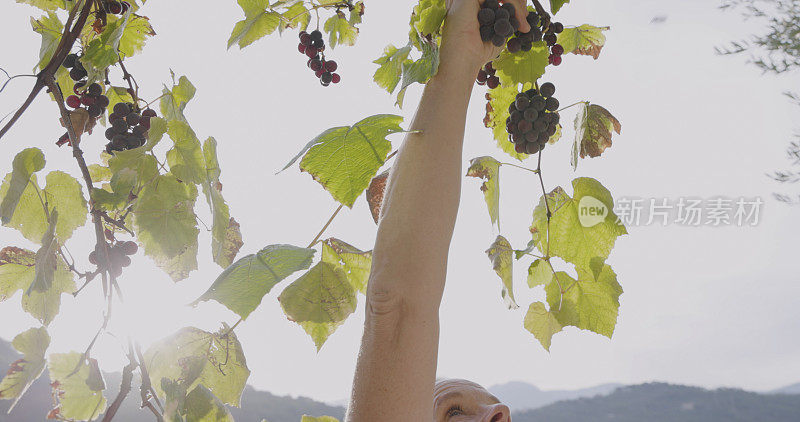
point(497, 22)
point(313, 46)
point(523, 41)
point(91, 98)
point(486, 76)
point(534, 119)
point(76, 70)
point(116, 7)
point(128, 128)
point(550, 31)
point(118, 256)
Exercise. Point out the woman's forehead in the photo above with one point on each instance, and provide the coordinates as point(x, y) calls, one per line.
point(449, 386)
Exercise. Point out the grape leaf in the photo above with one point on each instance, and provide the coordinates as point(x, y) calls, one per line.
point(569, 238)
point(591, 302)
point(46, 5)
point(138, 160)
point(586, 40)
point(99, 173)
point(25, 164)
point(50, 28)
point(541, 323)
point(117, 94)
point(523, 67)
point(296, 16)
point(242, 286)
point(320, 300)
point(257, 23)
point(216, 359)
point(387, 76)
point(497, 112)
point(165, 222)
point(539, 273)
point(556, 136)
point(135, 35)
point(593, 130)
point(340, 30)
point(46, 260)
point(174, 100)
point(500, 256)
point(555, 5)
point(488, 169)
point(158, 127)
point(23, 372)
point(115, 195)
point(74, 398)
point(307, 418)
point(374, 196)
point(17, 272)
point(428, 17)
point(421, 70)
point(202, 405)
point(226, 238)
point(185, 159)
point(344, 159)
point(355, 263)
point(103, 51)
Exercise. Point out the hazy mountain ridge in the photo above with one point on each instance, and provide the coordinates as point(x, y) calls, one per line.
point(520, 395)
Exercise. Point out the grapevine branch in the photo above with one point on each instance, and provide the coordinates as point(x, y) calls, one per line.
point(124, 388)
point(64, 47)
point(146, 388)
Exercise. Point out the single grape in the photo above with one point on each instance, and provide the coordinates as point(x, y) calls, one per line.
point(110, 132)
point(550, 39)
point(540, 125)
point(121, 109)
point(531, 114)
point(486, 33)
point(524, 126)
point(526, 46)
point(498, 40)
point(516, 116)
point(77, 88)
point(519, 148)
point(125, 6)
point(486, 16)
point(149, 113)
point(316, 35)
point(119, 125)
point(87, 100)
point(557, 27)
point(522, 102)
point(305, 38)
point(552, 104)
point(133, 118)
point(326, 77)
point(514, 45)
point(532, 148)
point(547, 89)
point(102, 101)
point(70, 60)
point(114, 7)
point(503, 28)
point(335, 78)
point(319, 73)
point(493, 82)
point(502, 14)
point(315, 64)
point(482, 76)
point(77, 73)
point(129, 248)
point(95, 89)
point(331, 66)
point(533, 19)
point(73, 101)
point(538, 102)
point(531, 136)
point(145, 122)
point(301, 48)
point(531, 93)
point(491, 4)
point(311, 52)
point(139, 131)
point(95, 110)
point(558, 49)
point(556, 60)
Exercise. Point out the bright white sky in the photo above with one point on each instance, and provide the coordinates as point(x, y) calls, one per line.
point(704, 306)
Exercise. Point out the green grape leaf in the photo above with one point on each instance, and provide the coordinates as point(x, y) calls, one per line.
point(488, 169)
point(23, 372)
point(138, 160)
point(99, 173)
point(46, 5)
point(357, 13)
point(46, 260)
point(215, 360)
point(428, 17)
point(421, 70)
point(355, 263)
point(242, 286)
point(74, 398)
point(320, 300)
point(307, 418)
point(174, 100)
point(103, 51)
point(387, 76)
point(593, 130)
point(166, 225)
point(340, 30)
point(226, 237)
point(344, 159)
point(114, 196)
point(582, 227)
point(25, 164)
point(296, 16)
point(539, 273)
point(500, 256)
point(497, 112)
point(185, 159)
point(555, 5)
point(50, 28)
point(541, 323)
point(202, 405)
point(591, 302)
point(520, 253)
point(17, 272)
point(135, 35)
point(257, 23)
point(586, 40)
point(174, 399)
point(523, 67)
point(158, 127)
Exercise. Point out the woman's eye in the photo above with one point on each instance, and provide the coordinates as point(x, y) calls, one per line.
point(454, 411)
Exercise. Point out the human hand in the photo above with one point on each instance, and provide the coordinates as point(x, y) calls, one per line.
point(461, 39)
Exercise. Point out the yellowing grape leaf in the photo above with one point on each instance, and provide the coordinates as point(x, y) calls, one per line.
point(591, 302)
point(541, 323)
point(374, 196)
point(355, 263)
point(226, 237)
point(488, 169)
point(242, 286)
point(593, 130)
point(428, 17)
point(295, 16)
point(50, 28)
point(103, 51)
point(74, 398)
point(496, 114)
point(340, 30)
point(257, 23)
point(135, 35)
point(522, 67)
point(582, 227)
point(25, 164)
point(344, 159)
point(214, 360)
point(46, 260)
point(33, 345)
point(500, 255)
point(586, 40)
point(387, 76)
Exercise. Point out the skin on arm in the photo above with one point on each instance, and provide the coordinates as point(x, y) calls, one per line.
point(396, 369)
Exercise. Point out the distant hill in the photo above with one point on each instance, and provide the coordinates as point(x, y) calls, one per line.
point(523, 396)
point(670, 403)
point(789, 389)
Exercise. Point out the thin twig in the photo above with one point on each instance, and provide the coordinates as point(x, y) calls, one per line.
point(146, 387)
point(124, 389)
point(572, 105)
point(521, 167)
point(131, 82)
point(14, 77)
point(330, 220)
point(116, 223)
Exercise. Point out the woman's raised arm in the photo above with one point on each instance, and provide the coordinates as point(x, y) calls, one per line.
point(396, 367)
